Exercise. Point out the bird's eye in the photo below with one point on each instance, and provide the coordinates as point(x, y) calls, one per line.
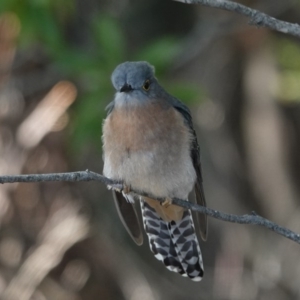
point(146, 85)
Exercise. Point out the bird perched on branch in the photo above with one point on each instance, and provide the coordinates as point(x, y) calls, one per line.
point(150, 144)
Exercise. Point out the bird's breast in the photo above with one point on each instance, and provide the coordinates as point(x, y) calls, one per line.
point(142, 128)
point(148, 147)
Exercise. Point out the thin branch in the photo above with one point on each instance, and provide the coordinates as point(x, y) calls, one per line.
point(257, 18)
point(70, 177)
point(250, 219)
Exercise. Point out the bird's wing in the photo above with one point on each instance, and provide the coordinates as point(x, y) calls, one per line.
point(129, 217)
point(195, 155)
point(109, 108)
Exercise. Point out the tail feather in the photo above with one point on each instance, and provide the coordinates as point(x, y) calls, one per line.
point(174, 243)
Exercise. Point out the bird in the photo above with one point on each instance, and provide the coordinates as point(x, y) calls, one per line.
point(149, 143)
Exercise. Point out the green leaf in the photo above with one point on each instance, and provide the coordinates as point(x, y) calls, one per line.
point(288, 53)
point(87, 117)
point(186, 92)
point(39, 25)
point(289, 88)
point(160, 53)
point(109, 38)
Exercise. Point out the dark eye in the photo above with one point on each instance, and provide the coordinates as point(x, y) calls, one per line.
point(146, 85)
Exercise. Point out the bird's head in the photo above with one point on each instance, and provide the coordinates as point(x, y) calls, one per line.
point(135, 81)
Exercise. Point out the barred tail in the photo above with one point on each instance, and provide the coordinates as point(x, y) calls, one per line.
point(174, 243)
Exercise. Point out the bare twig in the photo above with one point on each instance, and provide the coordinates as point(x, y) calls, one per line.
point(71, 177)
point(257, 18)
point(250, 219)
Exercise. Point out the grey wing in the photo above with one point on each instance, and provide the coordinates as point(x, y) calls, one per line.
point(195, 155)
point(200, 197)
point(129, 217)
point(109, 108)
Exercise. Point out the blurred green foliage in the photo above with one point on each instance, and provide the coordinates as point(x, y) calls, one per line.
point(160, 53)
point(288, 55)
point(41, 20)
point(44, 24)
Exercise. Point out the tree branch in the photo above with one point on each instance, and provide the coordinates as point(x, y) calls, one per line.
point(257, 18)
point(250, 219)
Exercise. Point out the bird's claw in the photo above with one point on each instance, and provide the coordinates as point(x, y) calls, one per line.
point(167, 202)
point(126, 188)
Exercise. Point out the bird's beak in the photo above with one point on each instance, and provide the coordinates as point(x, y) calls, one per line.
point(126, 88)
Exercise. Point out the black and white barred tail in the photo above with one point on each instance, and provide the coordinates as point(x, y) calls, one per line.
point(174, 243)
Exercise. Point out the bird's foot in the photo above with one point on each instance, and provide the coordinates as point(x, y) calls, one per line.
point(126, 188)
point(167, 202)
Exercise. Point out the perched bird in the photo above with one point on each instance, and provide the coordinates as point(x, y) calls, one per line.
point(150, 144)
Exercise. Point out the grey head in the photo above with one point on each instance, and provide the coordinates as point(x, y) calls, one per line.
point(135, 81)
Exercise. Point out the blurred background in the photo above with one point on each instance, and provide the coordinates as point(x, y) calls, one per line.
point(64, 240)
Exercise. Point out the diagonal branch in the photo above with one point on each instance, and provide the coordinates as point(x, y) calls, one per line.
point(250, 219)
point(257, 18)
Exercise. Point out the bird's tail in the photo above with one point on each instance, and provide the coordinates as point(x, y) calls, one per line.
point(174, 243)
